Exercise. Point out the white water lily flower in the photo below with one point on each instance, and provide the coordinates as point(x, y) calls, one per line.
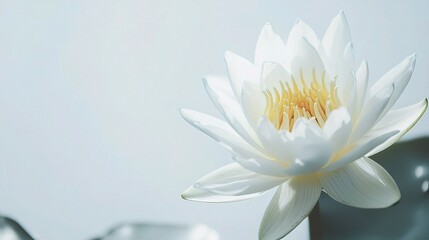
point(303, 119)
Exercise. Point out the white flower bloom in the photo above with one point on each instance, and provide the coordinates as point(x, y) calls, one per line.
point(303, 119)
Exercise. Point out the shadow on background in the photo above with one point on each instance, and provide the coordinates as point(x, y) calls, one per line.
point(408, 164)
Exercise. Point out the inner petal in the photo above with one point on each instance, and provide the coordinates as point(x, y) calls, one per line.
point(313, 100)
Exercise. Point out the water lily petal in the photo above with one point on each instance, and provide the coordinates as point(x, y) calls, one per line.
point(336, 37)
point(201, 195)
point(301, 30)
point(399, 76)
point(264, 166)
point(338, 127)
point(272, 74)
point(269, 47)
point(273, 142)
point(239, 71)
point(363, 184)
point(292, 202)
point(298, 31)
point(221, 132)
point(306, 62)
point(362, 76)
point(346, 79)
point(310, 148)
point(253, 103)
point(402, 119)
point(360, 149)
point(223, 98)
point(338, 56)
point(371, 112)
point(233, 179)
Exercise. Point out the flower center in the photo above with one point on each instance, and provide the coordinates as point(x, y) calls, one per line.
point(288, 102)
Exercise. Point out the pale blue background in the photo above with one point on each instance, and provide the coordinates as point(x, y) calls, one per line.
point(90, 133)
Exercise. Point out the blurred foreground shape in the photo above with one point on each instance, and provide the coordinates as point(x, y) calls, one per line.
point(138, 231)
point(11, 230)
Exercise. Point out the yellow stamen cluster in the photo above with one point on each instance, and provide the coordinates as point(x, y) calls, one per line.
point(286, 103)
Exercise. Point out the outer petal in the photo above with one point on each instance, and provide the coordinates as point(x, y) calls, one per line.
point(262, 166)
point(292, 202)
point(363, 184)
point(221, 132)
point(399, 76)
point(357, 151)
point(223, 98)
point(371, 112)
point(235, 180)
point(401, 119)
point(201, 195)
point(269, 47)
point(239, 71)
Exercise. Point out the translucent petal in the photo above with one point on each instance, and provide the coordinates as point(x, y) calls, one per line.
point(253, 104)
point(299, 30)
point(338, 127)
point(338, 57)
point(239, 71)
point(269, 47)
point(305, 62)
point(399, 76)
point(358, 150)
point(371, 112)
point(272, 74)
point(362, 75)
point(336, 37)
point(235, 180)
point(221, 132)
point(402, 119)
point(311, 148)
point(223, 98)
point(264, 166)
point(292, 202)
point(363, 184)
point(201, 195)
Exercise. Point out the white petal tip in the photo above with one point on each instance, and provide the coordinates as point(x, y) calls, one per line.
point(411, 61)
point(187, 194)
point(268, 29)
point(227, 54)
point(183, 112)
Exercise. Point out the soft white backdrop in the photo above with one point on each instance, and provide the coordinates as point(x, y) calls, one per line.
point(90, 133)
